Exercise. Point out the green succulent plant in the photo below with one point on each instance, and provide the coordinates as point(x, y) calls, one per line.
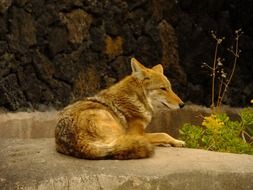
point(219, 133)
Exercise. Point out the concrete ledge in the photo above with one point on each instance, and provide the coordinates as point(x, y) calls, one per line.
point(28, 124)
point(42, 124)
point(34, 164)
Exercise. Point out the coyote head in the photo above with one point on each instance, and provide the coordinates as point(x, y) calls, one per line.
point(156, 86)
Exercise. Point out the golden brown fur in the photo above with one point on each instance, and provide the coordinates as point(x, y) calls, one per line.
point(112, 123)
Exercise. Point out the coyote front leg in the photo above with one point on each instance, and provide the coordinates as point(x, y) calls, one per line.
point(163, 139)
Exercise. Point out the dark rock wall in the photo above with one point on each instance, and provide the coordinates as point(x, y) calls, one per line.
point(193, 25)
point(54, 52)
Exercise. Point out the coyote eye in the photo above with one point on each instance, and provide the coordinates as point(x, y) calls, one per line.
point(164, 89)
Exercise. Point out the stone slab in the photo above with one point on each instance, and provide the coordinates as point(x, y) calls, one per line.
point(34, 164)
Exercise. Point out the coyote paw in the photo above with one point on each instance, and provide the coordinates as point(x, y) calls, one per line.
point(163, 145)
point(178, 143)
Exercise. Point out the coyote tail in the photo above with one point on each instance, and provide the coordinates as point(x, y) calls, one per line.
point(131, 147)
point(125, 147)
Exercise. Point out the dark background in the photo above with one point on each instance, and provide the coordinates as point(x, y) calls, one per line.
point(53, 52)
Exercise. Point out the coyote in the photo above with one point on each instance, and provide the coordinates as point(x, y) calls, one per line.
point(111, 124)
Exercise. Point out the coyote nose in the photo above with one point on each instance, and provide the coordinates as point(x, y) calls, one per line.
point(181, 105)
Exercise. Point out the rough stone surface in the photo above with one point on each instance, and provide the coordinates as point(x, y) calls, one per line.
point(170, 57)
point(78, 24)
point(52, 50)
point(34, 164)
point(4, 5)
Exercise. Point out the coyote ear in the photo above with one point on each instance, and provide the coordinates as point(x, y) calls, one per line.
point(158, 68)
point(136, 65)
